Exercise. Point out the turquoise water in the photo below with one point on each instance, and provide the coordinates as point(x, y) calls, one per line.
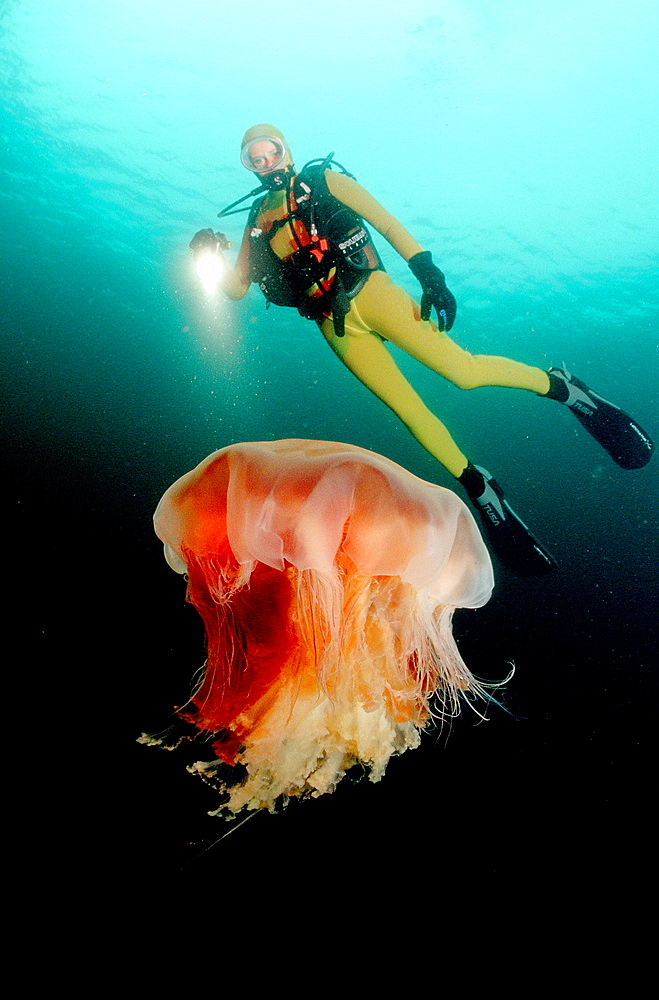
point(516, 141)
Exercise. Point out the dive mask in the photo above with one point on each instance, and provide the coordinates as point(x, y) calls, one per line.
point(263, 154)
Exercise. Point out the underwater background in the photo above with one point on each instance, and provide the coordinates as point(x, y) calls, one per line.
point(518, 142)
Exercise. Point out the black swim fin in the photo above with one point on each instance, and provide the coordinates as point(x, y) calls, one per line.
point(516, 546)
point(626, 442)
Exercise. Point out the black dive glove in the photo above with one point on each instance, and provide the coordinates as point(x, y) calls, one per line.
point(206, 239)
point(435, 292)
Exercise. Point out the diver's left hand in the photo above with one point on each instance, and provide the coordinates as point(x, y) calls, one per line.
point(206, 239)
point(435, 292)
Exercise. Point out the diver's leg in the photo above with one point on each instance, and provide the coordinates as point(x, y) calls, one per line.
point(364, 353)
point(389, 310)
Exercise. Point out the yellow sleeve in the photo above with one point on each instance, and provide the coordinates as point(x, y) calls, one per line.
point(232, 286)
point(360, 201)
point(234, 282)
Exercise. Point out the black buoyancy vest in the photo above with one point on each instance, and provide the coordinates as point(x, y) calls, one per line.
point(333, 258)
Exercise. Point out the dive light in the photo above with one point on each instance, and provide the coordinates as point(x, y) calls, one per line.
point(207, 248)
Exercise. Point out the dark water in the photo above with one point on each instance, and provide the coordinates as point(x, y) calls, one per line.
point(519, 146)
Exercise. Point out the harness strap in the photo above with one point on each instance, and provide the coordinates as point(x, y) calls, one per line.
point(315, 200)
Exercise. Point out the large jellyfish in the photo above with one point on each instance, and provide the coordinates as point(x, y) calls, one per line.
point(326, 577)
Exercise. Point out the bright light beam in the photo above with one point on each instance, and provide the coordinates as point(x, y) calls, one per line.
point(210, 267)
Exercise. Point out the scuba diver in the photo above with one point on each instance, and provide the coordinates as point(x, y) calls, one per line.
point(306, 245)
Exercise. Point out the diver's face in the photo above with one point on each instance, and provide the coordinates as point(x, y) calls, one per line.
point(265, 156)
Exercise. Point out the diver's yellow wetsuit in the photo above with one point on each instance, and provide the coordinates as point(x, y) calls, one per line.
point(382, 312)
point(306, 247)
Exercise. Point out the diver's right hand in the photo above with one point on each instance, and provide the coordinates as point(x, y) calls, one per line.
point(206, 239)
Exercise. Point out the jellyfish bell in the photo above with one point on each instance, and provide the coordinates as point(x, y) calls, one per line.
point(326, 577)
